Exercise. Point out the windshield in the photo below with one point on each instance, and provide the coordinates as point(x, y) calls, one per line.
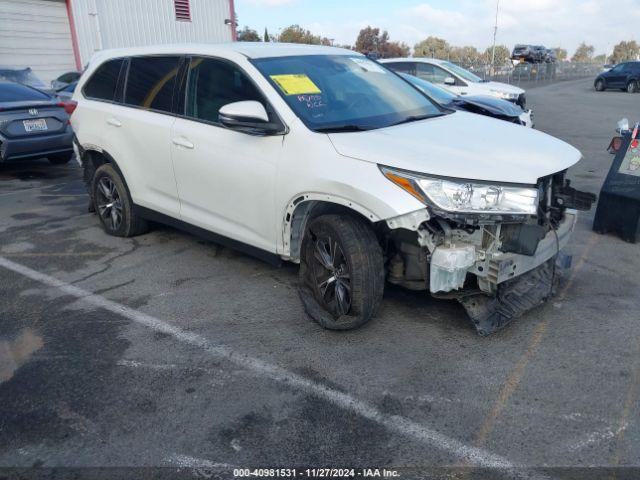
point(440, 95)
point(461, 72)
point(345, 93)
point(24, 76)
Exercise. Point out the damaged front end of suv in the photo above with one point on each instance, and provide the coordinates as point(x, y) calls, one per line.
point(493, 247)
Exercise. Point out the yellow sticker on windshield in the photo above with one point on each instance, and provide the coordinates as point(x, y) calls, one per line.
point(298, 84)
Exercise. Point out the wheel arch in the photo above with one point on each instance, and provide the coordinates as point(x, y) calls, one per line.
point(92, 158)
point(306, 206)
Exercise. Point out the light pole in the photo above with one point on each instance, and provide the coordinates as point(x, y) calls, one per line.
point(495, 32)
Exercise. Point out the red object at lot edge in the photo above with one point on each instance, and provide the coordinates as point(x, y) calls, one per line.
point(69, 106)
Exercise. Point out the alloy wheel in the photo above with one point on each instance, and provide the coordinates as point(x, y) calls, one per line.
point(109, 203)
point(332, 275)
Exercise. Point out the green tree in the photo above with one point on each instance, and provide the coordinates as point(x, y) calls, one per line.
point(465, 55)
point(601, 59)
point(370, 40)
point(625, 51)
point(248, 35)
point(297, 34)
point(432, 47)
point(584, 53)
point(503, 55)
point(395, 50)
point(266, 38)
point(561, 54)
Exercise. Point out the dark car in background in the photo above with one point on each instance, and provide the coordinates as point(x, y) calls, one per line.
point(624, 76)
point(25, 76)
point(65, 80)
point(34, 124)
point(530, 53)
point(550, 56)
point(66, 93)
point(480, 104)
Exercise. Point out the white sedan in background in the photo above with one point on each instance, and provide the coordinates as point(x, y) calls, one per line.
point(456, 79)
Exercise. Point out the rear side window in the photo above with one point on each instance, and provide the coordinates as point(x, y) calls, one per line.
point(214, 84)
point(102, 84)
point(402, 67)
point(431, 73)
point(14, 92)
point(151, 81)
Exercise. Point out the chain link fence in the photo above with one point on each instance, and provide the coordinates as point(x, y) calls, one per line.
point(534, 73)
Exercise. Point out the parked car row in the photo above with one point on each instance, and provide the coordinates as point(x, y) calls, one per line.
point(455, 78)
point(323, 157)
point(481, 104)
point(533, 54)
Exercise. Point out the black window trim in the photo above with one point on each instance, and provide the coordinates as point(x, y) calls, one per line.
point(94, 99)
point(179, 89)
point(183, 89)
point(181, 58)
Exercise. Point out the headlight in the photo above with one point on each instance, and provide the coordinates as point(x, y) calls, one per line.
point(504, 95)
point(462, 196)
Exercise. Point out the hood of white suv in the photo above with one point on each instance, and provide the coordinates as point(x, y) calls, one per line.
point(462, 145)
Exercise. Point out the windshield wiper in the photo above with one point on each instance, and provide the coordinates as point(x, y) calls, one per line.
point(342, 128)
point(415, 118)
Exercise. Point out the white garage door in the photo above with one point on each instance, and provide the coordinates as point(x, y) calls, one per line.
point(36, 34)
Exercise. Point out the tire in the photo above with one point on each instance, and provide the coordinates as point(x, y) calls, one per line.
point(599, 86)
point(632, 86)
point(60, 158)
point(343, 248)
point(113, 204)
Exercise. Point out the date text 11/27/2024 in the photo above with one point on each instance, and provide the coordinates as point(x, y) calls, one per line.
point(316, 473)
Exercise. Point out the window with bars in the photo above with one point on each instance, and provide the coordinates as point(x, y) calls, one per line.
point(183, 11)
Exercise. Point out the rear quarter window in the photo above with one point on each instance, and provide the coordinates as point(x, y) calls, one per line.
point(102, 84)
point(14, 92)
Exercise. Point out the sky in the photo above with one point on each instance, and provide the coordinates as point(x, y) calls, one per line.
point(553, 23)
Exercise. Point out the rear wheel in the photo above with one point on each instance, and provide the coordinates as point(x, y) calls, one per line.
point(113, 204)
point(60, 158)
point(632, 86)
point(341, 272)
point(599, 86)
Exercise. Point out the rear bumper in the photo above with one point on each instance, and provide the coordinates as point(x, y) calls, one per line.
point(35, 147)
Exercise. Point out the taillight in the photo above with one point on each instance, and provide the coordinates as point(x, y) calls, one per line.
point(69, 106)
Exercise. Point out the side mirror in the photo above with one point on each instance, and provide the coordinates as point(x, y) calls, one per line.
point(449, 81)
point(248, 117)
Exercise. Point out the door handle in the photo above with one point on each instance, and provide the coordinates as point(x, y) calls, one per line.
point(183, 142)
point(114, 122)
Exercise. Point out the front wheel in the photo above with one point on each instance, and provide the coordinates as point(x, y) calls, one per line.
point(599, 86)
point(341, 272)
point(632, 86)
point(114, 205)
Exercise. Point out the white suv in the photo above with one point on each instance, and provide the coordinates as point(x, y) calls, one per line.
point(321, 156)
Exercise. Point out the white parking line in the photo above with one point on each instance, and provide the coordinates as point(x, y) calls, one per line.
point(404, 426)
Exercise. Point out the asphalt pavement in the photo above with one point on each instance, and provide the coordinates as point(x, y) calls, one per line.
point(169, 351)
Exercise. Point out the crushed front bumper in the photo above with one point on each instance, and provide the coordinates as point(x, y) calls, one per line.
point(499, 267)
point(521, 282)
